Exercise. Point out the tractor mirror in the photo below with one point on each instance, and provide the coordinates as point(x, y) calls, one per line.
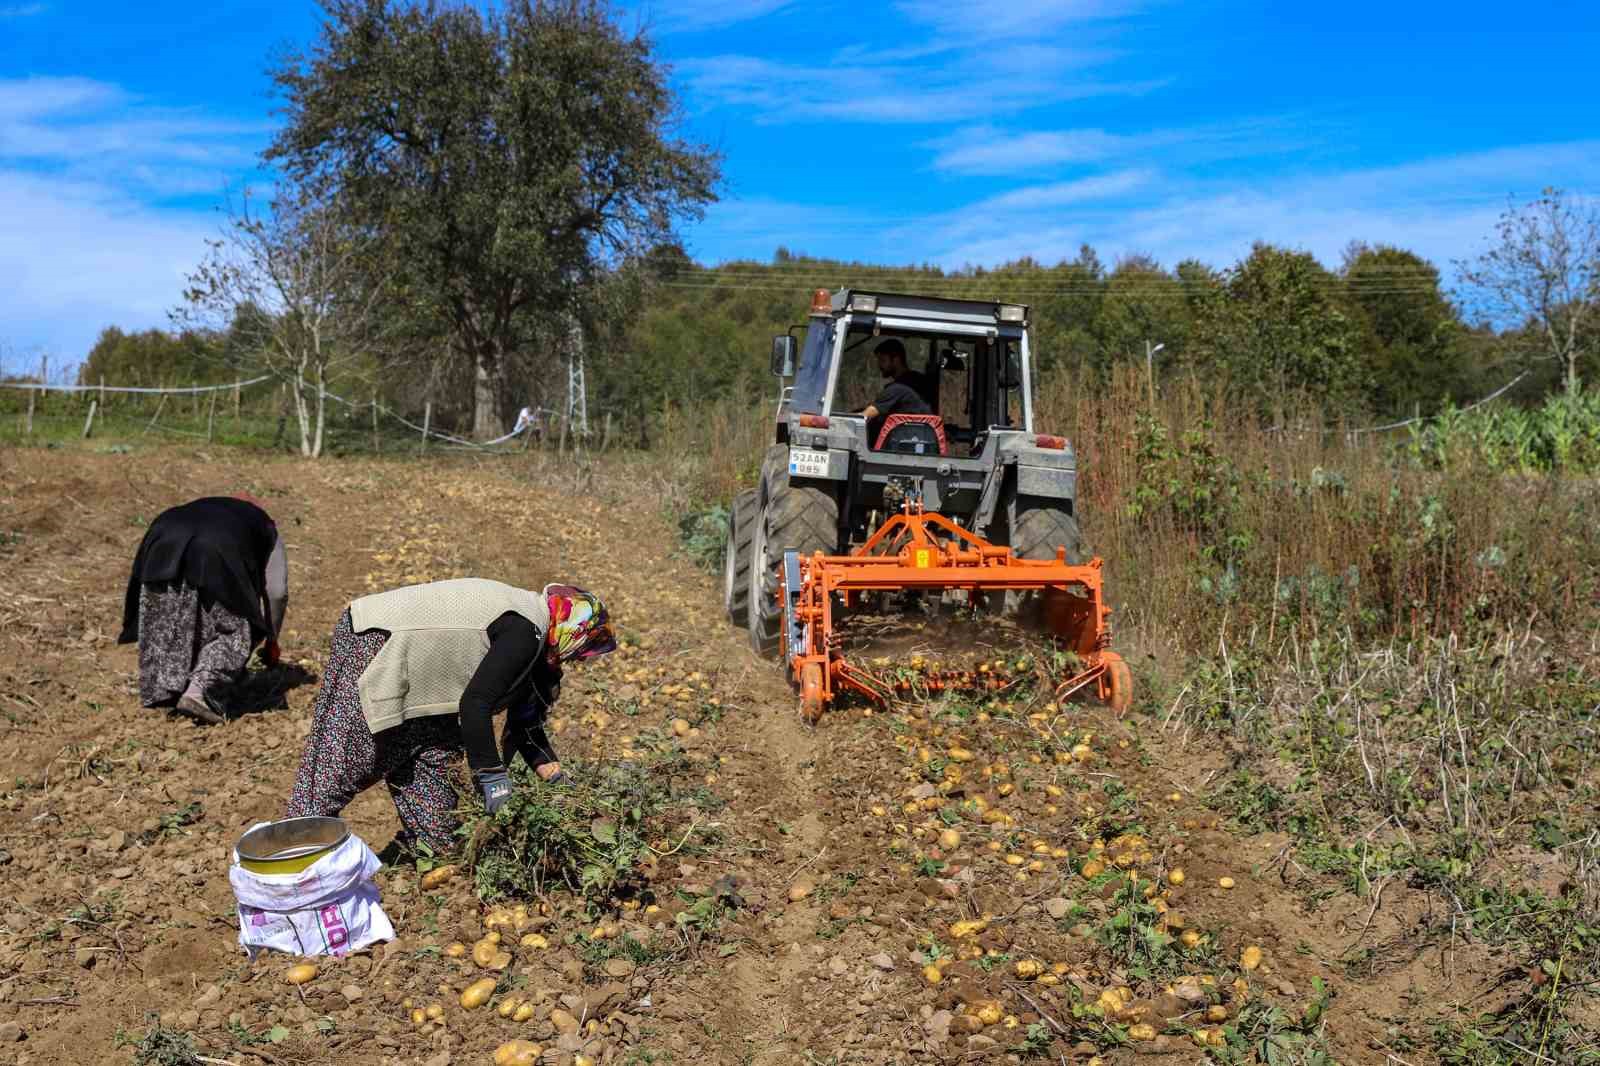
point(783, 356)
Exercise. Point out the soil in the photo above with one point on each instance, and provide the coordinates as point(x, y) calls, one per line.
point(116, 822)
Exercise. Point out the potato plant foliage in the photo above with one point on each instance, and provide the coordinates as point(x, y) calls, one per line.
point(588, 835)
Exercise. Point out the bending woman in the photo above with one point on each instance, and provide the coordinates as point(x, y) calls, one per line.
point(209, 582)
point(414, 678)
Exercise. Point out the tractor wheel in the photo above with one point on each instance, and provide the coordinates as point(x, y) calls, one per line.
point(736, 557)
point(1034, 530)
point(1038, 529)
point(799, 517)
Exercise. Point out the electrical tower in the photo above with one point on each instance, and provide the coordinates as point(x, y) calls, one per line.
point(577, 394)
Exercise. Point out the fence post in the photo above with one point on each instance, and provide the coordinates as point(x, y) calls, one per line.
point(211, 416)
point(235, 404)
point(377, 448)
point(157, 415)
point(102, 392)
point(561, 449)
point(427, 420)
point(605, 443)
point(33, 395)
point(88, 423)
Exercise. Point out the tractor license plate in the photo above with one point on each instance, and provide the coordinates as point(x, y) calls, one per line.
point(808, 462)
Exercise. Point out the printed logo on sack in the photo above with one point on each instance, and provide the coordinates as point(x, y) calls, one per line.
point(333, 928)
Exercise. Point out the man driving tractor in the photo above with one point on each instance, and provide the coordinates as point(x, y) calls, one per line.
point(906, 392)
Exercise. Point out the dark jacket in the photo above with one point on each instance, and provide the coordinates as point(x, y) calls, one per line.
point(217, 545)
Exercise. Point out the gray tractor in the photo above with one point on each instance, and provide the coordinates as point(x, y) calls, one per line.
point(826, 482)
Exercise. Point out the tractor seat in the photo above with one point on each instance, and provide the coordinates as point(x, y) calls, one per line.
point(912, 435)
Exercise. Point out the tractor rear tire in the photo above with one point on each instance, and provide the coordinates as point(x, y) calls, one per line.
point(800, 517)
point(1038, 529)
point(736, 557)
point(1034, 530)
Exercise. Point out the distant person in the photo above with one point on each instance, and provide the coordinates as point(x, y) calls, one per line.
point(210, 581)
point(415, 676)
point(903, 395)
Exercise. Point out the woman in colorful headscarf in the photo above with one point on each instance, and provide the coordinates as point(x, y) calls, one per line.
point(209, 582)
point(414, 678)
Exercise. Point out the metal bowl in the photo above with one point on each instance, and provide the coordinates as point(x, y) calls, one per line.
point(290, 845)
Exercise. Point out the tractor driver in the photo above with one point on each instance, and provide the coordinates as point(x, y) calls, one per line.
point(903, 395)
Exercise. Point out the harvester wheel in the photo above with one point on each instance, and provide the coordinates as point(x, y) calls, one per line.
point(1116, 684)
point(736, 557)
point(811, 703)
point(800, 517)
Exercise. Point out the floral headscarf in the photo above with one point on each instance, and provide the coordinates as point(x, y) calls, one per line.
point(580, 628)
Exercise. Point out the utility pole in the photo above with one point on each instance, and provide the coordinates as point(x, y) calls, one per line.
point(1150, 370)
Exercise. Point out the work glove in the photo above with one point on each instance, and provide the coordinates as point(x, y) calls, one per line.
point(496, 787)
point(271, 654)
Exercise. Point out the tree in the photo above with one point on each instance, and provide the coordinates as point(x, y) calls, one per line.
point(503, 158)
point(1411, 336)
point(150, 357)
point(1143, 304)
point(1542, 272)
point(1276, 328)
point(293, 293)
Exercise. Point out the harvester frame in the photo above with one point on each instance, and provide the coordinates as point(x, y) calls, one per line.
point(917, 551)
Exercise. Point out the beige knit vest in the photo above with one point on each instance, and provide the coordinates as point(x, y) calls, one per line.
point(438, 634)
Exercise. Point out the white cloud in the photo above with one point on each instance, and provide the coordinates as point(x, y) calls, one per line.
point(1442, 208)
point(86, 128)
point(684, 16)
point(22, 11)
point(1000, 19)
point(78, 256)
point(873, 90)
point(103, 206)
point(989, 151)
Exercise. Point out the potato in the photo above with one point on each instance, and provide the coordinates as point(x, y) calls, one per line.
point(1175, 876)
point(1190, 939)
point(434, 1013)
point(477, 993)
point(970, 927)
point(517, 1053)
point(299, 975)
point(989, 1012)
point(1250, 957)
point(1093, 869)
point(1217, 1013)
point(455, 950)
point(418, 1017)
point(1225, 882)
point(959, 755)
point(680, 727)
point(932, 975)
point(950, 839)
point(483, 952)
point(509, 1005)
point(535, 941)
point(1142, 1031)
point(1029, 968)
point(522, 1013)
point(437, 876)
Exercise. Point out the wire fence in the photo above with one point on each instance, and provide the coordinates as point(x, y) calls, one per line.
point(251, 412)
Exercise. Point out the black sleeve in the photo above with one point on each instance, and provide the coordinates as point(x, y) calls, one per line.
point(524, 730)
point(515, 645)
point(895, 399)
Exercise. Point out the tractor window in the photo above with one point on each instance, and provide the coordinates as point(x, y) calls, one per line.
point(1010, 382)
point(859, 379)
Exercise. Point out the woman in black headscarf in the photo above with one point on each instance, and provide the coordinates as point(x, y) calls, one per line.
point(209, 583)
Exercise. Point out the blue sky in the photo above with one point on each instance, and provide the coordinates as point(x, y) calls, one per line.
point(963, 132)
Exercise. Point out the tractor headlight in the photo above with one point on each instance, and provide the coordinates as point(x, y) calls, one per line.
point(1013, 313)
point(865, 304)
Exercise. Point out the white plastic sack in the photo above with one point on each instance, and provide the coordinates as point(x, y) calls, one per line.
point(329, 908)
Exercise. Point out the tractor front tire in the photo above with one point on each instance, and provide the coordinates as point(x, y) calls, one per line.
point(736, 557)
point(801, 517)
